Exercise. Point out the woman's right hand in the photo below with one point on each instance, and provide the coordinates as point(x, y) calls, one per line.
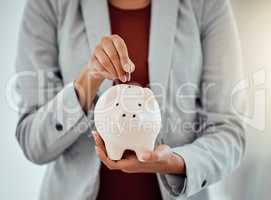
point(109, 60)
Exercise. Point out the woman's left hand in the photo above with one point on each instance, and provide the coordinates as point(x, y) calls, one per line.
point(161, 160)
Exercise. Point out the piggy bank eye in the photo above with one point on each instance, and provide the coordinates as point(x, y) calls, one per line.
point(139, 104)
point(117, 104)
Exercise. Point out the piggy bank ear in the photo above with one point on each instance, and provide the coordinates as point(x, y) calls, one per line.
point(113, 94)
point(108, 100)
point(148, 93)
point(150, 101)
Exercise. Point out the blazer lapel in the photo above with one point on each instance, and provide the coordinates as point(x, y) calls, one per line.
point(96, 18)
point(162, 32)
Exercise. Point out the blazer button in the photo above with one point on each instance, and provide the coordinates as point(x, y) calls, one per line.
point(59, 127)
point(203, 183)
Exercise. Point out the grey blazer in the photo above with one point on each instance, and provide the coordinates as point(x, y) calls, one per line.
point(194, 66)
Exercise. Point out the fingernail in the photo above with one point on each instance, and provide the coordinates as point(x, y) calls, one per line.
point(123, 78)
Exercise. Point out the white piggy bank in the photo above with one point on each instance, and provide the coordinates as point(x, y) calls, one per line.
point(128, 118)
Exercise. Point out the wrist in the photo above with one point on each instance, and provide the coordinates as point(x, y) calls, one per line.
point(86, 88)
point(179, 164)
point(81, 94)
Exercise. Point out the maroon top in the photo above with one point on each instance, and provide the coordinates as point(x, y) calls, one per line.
point(133, 26)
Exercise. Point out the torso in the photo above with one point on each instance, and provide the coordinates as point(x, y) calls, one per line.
point(133, 26)
point(82, 23)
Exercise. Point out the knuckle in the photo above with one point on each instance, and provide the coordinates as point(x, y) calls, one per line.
point(156, 156)
point(103, 61)
point(113, 56)
point(105, 40)
point(118, 39)
point(115, 36)
point(97, 49)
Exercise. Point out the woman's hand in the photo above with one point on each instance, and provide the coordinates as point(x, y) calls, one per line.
point(109, 60)
point(161, 160)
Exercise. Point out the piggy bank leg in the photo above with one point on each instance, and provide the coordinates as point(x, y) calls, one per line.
point(113, 151)
point(139, 155)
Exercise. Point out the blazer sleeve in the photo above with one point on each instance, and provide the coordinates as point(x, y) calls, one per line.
point(220, 145)
point(50, 115)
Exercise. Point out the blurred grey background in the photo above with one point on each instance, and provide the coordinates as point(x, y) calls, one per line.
point(19, 179)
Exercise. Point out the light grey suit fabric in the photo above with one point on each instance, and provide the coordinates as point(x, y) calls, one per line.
point(194, 66)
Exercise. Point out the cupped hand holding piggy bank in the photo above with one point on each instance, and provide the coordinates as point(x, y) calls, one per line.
point(128, 118)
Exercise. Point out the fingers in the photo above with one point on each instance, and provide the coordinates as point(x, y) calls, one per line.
point(103, 157)
point(101, 151)
point(99, 71)
point(104, 62)
point(112, 53)
point(112, 60)
point(127, 64)
point(133, 165)
point(98, 140)
point(156, 161)
point(130, 163)
point(158, 155)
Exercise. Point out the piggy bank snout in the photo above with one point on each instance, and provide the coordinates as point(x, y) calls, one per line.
point(125, 115)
